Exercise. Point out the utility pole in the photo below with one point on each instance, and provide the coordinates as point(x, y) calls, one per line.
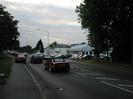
point(131, 40)
point(48, 37)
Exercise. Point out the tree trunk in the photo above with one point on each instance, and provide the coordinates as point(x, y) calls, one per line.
point(131, 40)
point(122, 53)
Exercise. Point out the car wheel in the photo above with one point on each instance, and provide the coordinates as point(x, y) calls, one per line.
point(67, 70)
point(45, 68)
point(25, 62)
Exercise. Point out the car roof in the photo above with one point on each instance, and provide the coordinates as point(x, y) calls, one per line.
point(20, 55)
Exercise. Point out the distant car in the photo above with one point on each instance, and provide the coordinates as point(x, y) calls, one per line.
point(74, 56)
point(36, 58)
point(63, 56)
point(86, 57)
point(57, 64)
point(20, 58)
point(46, 57)
point(79, 56)
point(25, 54)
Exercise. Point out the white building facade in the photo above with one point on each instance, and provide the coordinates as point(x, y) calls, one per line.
point(82, 49)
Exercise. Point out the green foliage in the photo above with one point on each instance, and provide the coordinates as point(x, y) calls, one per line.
point(8, 30)
point(27, 49)
point(5, 65)
point(52, 45)
point(109, 23)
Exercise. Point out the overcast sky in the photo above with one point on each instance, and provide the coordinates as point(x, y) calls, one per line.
point(37, 18)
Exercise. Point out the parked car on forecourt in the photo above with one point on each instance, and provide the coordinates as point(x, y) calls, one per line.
point(20, 58)
point(36, 58)
point(84, 57)
point(74, 56)
point(57, 64)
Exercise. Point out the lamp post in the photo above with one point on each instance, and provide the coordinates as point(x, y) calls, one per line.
point(47, 35)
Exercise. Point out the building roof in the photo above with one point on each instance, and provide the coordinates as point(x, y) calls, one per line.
point(61, 46)
point(81, 47)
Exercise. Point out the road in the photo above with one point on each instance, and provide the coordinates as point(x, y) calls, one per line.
point(82, 83)
point(31, 81)
point(20, 85)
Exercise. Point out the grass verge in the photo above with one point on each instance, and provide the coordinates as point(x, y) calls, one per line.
point(125, 66)
point(5, 67)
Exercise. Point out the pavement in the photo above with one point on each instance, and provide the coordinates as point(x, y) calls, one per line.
point(20, 85)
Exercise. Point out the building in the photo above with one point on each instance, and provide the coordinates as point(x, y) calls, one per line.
point(59, 49)
point(82, 48)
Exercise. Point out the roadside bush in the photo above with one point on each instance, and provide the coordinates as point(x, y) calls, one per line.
point(5, 66)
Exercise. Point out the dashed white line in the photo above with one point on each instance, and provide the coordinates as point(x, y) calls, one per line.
point(86, 74)
point(115, 86)
point(123, 85)
point(102, 78)
point(79, 73)
point(92, 73)
point(128, 81)
point(36, 83)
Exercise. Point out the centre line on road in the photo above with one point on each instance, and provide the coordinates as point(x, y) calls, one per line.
point(35, 81)
point(79, 74)
point(92, 73)
point(102, 78)
point(123, 85)
point(128, 81)
point(115, 86)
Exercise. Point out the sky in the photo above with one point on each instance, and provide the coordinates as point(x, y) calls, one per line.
point(43, 19)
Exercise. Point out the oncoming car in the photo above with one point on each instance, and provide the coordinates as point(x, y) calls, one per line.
point(57, 64)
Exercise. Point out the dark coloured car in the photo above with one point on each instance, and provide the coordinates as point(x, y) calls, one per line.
point(56, 64)
point(20, 58)
point(36, 58)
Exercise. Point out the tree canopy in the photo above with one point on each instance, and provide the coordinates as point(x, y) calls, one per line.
point(109, 23)
point(52, 45)
point(8, 30)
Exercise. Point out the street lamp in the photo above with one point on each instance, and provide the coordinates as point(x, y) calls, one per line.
point(47, 35)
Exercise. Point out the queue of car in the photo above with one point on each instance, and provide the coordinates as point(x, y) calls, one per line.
point(51, 64)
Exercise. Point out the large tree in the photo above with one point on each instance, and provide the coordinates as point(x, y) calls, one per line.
point(109, 23)
point(8, 30)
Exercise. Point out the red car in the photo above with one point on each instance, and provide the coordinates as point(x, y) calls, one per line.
point(57, 65)
point(20, 58)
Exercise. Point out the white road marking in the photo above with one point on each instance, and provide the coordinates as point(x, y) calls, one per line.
point(36, 83)
point(120, 70)
point(92, 73)
point(86, 74)
point(115, 86)
point(128, 81)
point(102, 78)
point(123, 85)
point(79, 73)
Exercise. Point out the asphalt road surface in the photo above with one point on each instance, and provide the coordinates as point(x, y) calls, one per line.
point(82, 82)
point(31, 81)
point(20, 85)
